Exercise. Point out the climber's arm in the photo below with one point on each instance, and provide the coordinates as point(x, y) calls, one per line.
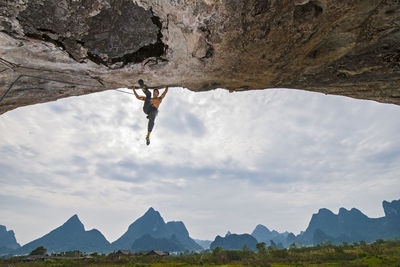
point(138, 96)
point(164, 93)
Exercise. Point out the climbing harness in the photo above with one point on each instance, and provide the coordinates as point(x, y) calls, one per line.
point(12, 66)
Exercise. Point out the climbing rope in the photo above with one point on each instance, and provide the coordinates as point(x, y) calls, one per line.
point(11, 86)
point(271, 97)
point(12, 67)
point(118, 90)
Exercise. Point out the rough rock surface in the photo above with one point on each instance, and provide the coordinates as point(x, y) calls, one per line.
point(349, 48)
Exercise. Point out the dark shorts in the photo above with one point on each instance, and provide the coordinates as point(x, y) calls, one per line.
point(150, 110)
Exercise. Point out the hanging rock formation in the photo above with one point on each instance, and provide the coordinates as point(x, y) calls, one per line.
point(349, 48)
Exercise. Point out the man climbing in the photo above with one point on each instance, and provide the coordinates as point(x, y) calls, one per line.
point(150, 106)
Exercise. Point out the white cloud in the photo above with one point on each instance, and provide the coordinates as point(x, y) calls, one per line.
point(217, 161)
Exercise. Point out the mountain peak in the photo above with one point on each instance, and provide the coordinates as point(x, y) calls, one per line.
point(234, 242)
point(69, 236)
point(392, 209)
point(343, 211)
point(151, 211)
point(177, 227)
point(7, 238)
point(261, 227)
point(150, 223)
point(74, 218)
point(263, 234)
point(153, 216)
point(325, 211)
point(352, 213)
point(74, 223)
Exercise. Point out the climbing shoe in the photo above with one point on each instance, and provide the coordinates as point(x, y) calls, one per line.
point(141, 83)
point(147, 140)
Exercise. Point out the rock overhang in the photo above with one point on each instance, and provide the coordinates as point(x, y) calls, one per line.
point(347, 48)
point(111, 33)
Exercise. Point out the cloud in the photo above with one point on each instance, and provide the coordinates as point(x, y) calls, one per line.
point(180, 120)
point(217, 161)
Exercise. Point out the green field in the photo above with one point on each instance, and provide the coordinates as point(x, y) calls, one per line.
point(379, 253)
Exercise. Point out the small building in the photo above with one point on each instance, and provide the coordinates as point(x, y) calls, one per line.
point(123, 252)
point(141, 253)
point(157, 253)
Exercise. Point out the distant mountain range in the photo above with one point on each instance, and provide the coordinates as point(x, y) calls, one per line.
point(352, 226)
point(325, 226)
point(151, 232)
point(346, 226)
point(146, 233)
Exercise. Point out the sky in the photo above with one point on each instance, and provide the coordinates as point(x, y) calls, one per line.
point(217, 161)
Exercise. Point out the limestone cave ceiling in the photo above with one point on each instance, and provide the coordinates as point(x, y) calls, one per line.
point(349, 48)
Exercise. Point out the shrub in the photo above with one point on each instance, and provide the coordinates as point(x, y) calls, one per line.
point(39, 251)
point(280, 253)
